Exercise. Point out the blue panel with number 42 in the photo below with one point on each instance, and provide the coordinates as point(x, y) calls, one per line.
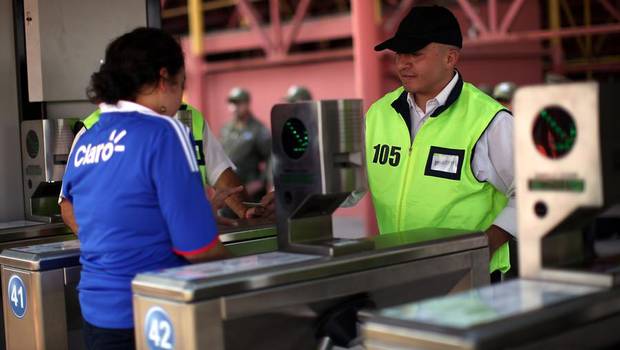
point(158, 329)
point(17, 296)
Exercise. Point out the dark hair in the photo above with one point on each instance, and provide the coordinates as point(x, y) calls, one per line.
point(132, 61)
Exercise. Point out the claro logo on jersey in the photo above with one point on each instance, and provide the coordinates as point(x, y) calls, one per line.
point(92, 154)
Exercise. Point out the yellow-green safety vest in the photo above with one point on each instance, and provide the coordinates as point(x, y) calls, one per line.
point(197, 128)
point(430, 183)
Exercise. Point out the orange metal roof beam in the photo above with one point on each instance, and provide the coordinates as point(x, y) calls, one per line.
point(312, 30)
point(256, 24)
point(300, 14)
point(195, 26)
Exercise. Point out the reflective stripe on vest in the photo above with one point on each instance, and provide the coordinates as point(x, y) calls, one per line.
point(197, 128)
point(430, 183)
point(92, 119)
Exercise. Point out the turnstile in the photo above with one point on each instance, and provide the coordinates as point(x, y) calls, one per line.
point(519, 314)
point(22, 233)
point(274, 300)
point(253, 236)
point(41, 308)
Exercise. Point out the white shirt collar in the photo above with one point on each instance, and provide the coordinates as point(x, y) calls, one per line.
point(128, 106)
point(438, 100)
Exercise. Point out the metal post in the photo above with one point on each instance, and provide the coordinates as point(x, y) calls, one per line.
point(492, 11)
point(248, 10)
point(510, 15)
point(403, 9)
point(300, 14)
point(471, 13)
point(367, 68)
point(587, 22)
point(195, 25)
point(276, 28)
point(611, 9)
point(556, 43)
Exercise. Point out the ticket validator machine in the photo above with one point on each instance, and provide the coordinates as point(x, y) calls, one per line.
point(318, 164)
point(567, 154)
point(291, 298)
point(45, 150)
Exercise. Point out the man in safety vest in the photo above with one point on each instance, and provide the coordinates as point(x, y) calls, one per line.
point(438, 150)
point(216, 169)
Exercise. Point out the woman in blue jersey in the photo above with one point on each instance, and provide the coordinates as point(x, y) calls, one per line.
point(134, 184)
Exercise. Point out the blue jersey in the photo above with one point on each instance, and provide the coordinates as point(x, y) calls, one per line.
point(139, 204)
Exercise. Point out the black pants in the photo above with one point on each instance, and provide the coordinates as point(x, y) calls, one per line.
point(105, 338)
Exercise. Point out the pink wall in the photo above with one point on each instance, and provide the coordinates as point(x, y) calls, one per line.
point(268, 86)
point(520, 63)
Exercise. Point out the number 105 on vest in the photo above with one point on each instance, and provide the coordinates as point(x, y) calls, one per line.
point(386, 153)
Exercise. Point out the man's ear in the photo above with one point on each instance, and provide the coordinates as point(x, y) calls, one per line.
point(452, 57)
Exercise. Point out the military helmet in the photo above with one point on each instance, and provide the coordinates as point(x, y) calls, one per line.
point(238, 94)
point(297, 93)
point(504, 91)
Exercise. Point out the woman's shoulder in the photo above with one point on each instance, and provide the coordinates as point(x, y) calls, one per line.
point(152, 122)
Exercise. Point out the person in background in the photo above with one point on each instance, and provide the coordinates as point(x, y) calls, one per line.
point(248, 144)
point(298, 93)
point(445, 145)
point(504, 92)
point(133, 184)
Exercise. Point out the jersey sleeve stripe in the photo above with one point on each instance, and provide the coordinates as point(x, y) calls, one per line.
point(185, 140)
point(199, 250)
point(185, 143)
point(183, 134)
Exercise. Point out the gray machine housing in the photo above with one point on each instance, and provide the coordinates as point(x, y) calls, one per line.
point(314, 177)
point(50, 274)
point(551, 241)
point(46, 145)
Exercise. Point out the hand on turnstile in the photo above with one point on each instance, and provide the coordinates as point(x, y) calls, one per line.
point(218, 202)
point(267, 206)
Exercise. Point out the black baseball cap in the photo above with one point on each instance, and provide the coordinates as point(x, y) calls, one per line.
point(424, 25)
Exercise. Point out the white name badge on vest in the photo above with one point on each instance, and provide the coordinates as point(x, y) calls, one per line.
point(445, 163)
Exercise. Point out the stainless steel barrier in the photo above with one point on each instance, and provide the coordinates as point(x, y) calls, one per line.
point(273, 300)
point(41, 308)
point(519, 314)
point(253, 236)
point(25, 233)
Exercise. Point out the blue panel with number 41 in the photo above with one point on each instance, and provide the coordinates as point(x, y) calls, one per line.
point(17, 296)
point(158, 329)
